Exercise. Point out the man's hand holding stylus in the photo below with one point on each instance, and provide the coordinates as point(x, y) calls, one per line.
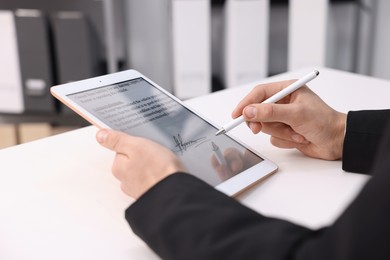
point(301, 120)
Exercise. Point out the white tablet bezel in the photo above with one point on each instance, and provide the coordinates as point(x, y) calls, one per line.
point(231, 187)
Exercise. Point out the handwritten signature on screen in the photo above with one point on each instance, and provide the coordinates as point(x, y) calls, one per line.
point(182, 146)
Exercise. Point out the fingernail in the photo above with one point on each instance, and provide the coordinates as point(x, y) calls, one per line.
point(251, 125)
point(234, 111)
point(250, 112)
point(102, 136)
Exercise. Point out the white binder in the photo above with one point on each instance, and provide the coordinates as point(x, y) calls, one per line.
point(11, 92)
point(307, 33)
point(191, 47)
point(149, 41)
point(246, 41)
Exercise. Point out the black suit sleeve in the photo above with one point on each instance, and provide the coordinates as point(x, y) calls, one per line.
point(182, 217)
point(362, 138)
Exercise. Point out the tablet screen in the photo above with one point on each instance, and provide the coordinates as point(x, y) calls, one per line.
point(141, 109)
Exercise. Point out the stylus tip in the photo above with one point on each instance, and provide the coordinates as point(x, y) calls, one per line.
point(220, 131)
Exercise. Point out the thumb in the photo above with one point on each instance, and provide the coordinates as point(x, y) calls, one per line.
point(112, 139)
point(269, 113)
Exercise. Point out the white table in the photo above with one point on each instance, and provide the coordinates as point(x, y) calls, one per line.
point(59, 200)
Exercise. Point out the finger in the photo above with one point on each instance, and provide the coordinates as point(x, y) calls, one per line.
point(281, 143)
point(255, 127)
point(113, 140)
point(120, 166)
point(285, 113)
point(284, 132)
point(259, 94)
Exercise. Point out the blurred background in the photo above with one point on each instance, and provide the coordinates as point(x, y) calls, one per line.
point(189, 47)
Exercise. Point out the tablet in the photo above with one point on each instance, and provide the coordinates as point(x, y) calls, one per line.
point(130, 102)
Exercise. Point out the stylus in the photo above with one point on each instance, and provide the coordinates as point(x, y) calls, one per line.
point(273, 99)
